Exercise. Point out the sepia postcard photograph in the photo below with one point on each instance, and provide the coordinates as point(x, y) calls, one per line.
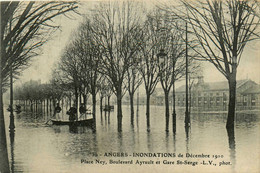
point(130, 86)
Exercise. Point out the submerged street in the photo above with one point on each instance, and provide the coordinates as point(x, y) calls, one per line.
point(37, 147)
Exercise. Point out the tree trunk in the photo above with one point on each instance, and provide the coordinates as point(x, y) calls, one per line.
point(148, 111)
point(47, 105)
point(36, 106)
point(101, 103)
point(24, 104)
point(232, 101)
point(4, 162)
point(167, 112)
point(85, 99)
point(119, 111)
point(76, 100)
point(70, 100)
point(62, 103)
point(50, 105)
point(80, 97)
point(108, 101)
point(132, 107)
point(94, 110)
point(31, 105)
point(174, 109)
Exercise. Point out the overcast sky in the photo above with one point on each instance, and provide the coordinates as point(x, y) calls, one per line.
point(42, 65)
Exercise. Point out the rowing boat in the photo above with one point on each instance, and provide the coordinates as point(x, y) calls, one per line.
point(84, 122)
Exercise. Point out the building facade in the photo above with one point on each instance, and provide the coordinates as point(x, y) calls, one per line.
point(215, 95)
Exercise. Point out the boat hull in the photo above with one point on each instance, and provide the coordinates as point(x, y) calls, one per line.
point(75, 123)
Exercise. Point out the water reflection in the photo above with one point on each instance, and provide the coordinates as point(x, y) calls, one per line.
point(56, 129)
point(149, 143)
point(11, 134)
point(232, 146)
point(101, 117)
point(95, 142)
point(107, 117)
point(167, 141)
point(187, 133)
point(73, 128)
point(137, 118)
point(174, 142)
point(120, 142)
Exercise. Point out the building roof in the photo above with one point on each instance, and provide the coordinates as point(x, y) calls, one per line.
point(253, 90)
point(215, 86)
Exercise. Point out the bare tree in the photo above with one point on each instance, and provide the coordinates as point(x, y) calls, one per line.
point(89, 54)
point(22, 24)
point(106, 90)
point(26, 26)
point(117, 32)
point(70, 67)
point(171, 62)
point(134, 80)
point(222, 29)
point(148, 58)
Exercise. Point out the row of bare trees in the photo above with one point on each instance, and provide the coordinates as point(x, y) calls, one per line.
point(117, 46)
point(119, 42)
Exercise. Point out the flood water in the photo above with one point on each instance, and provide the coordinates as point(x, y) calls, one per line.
point(35, 147)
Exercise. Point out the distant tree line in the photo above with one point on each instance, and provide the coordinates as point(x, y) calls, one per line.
point(37, 96)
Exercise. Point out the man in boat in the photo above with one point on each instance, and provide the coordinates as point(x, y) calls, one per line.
point(57, 110)
point(72, 112)
point(9, 108)
point(82, 109)
point(18, 109)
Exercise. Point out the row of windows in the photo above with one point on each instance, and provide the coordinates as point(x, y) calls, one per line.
point(208, 94)
point(205, 98)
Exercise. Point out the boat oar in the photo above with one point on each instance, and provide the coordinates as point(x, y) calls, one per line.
point(50, 118)
point(47, 121)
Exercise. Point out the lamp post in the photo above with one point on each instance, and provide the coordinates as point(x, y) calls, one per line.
point(11, 125)
point(187, 115)
point(161, 56)
point(161, 59)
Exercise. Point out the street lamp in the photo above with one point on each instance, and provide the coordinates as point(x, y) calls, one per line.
point(161, 56)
